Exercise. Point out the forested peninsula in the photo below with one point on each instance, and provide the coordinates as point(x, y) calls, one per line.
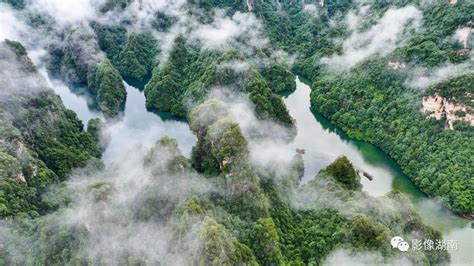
point(395, 74)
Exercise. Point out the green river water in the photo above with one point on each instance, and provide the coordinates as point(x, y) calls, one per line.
point(322, 142)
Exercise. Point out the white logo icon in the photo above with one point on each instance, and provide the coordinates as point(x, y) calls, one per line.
point(397, 242)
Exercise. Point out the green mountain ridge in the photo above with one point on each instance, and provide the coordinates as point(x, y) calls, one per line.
point(60, 204)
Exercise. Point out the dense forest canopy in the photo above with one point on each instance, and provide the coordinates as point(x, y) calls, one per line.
point(378, 99)
point(397, 74)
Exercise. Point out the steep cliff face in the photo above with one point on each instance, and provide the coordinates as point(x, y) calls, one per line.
point(441, 108)
point(452, 100)
point(219, 207)
point(80, 62)
point(396, 65)
point(464, 34)
point(41, 141)
point(106, 84)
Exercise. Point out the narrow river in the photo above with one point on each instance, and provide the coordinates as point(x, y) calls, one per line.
point(322, 142)
point(141, 128)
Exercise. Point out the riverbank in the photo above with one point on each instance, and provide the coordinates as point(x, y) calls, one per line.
point(323, 142)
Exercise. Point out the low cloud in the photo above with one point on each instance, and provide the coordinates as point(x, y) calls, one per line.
point(463, 35)
point(223, 30)
point(241, 31)
point(346, 257)
point(421, 77)
point(381, 38)
point(14, 78)
point(125, 211)
point(268, 141)
point(66, 13)
point(311, 9)
point(140, 14)
point(11, 25)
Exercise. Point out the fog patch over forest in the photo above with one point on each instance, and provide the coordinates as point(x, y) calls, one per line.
point(67, 13)
point(381, 38)
point(345, 257)
point(128, 208)
point(120, 211)
point(268, 140)
point(13, 27)
point(147, 203)
point(16, 70)
point(422, 77)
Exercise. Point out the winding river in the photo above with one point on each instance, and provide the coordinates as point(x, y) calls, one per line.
point(322, 143)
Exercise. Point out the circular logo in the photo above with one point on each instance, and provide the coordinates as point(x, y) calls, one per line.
point(403, 246)
point(395, 240)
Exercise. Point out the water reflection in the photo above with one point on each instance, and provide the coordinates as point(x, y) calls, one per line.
point(323, 143)
point(79, 103)
point(136, 130)
point(139, 129)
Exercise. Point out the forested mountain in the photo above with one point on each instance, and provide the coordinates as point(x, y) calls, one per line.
point(42, 142)
point(81, 63)
point(397, 74)
point(379, 98)
point(178, 83)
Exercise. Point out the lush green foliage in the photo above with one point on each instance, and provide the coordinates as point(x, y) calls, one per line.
point(22, 175)
point(221, 145)
point(373, 103)
point(277, 233)
point(132, 55)
point(221, 248)
point(136, 59)
point(112, 4)
point(106, 84)
point(21, 55)
point(267, 104)
point(165, 89)
point(41, 142)
point(432, 47)
point(457, 89)
point(18, 4)
point(343, 171)
point(58, 138)
point(376, 107)
point(279, 78)
point(250, 220)
point(189, 75)
point(246, 215)
point(80, 63)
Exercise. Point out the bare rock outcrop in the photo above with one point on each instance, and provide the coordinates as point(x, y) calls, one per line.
point(440, 107)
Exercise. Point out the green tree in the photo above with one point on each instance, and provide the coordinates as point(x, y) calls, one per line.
point(343, 171)
point(106, 83)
